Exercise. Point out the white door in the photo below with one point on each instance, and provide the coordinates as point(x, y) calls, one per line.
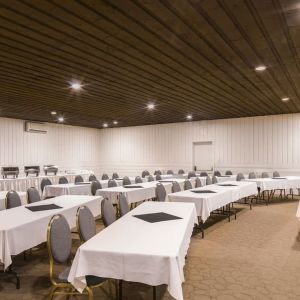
point(203, 156)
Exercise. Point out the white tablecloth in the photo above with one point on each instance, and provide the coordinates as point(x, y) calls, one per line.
point(180, 181)
point(67, 189)
point(225, 178)
point(22, 229)
point(22, 195)
point(135, 250)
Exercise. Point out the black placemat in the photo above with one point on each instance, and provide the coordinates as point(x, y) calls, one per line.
point(224, 176)
point(227, 184)
point(82, 183)
point(166, 181)
point(279, 178)
point(203, 191)
point(132, 186)
point(43, 207)
point(157, 217)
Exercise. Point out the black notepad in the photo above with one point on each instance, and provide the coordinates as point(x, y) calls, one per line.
point(43, 207)
point(132, 186)
point(157, 217)
point(279, 178)
point(81, 183)
point(224, 176)
point(166, 181)
point(227, 184)
point(203, 191)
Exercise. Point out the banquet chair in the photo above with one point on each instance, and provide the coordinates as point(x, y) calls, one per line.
point(187, 185)
point(105, 177)
point(160, 192)
point(240, 177)
point(203, 174)
point(33, 195)
point(115, 175)
point(96, 185)
point(198, 182)
point(191, 174)
point(126, 180)
point(217, 173)
point(175, 187)
point(157, 172)
point(112, 183)
point(12, 200)
point(63, 180)
point(138, 179)
point(264, 175)
point(228, 172)
point(108, 212)
point(180, 171)
point(150, 178)
point(145, 173)
point(276, 174)
point(158, 177)
point(85, 223)
point(92, 177)
point(123, 204)
point(214, 179)
point(78, 178)
point(59, 244)
point(170, 172)
point(252, 175)
point(208, 180)
point(44, 182)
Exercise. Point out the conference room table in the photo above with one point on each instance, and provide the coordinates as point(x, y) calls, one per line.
point(23, 197)
point(214, 196)
point(22, 229)
point(104, 183)
point(135, 250)
point(54, 190)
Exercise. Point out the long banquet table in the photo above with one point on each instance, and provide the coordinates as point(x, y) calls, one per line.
point(22, 195)
point(22, 229)
point(134, 250)
point(67, 189)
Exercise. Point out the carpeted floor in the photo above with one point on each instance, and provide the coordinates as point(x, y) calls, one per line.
point(256, 256)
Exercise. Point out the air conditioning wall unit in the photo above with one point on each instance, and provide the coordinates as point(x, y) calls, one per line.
point(35, 127)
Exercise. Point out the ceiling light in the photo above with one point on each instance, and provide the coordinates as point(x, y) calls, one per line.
point(260, 68)
point(61, 119)
point(285, 99)
point(53, 113)
point(150, 106)
point(105, 125)
point(189, 117)
point(76, 86)
point(115, 122)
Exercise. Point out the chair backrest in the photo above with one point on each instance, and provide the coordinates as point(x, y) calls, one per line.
point(208, 180)
point(191, 174)
point(59, 240)
point(124, 207)
point(115, 175)
point(150, 178)
point(228, 172)
point(33, 195)
point(86, 225)
point(138, 179)
point(180, 171)
point(217, 173)
point(63, 180)
point(44, 182)
point(161, 192)
point(203, 174)
point(264, 175)
point(78, 178)
point(252, 175)
point(104, 177)
point(96, 185)
point(175, 187)
point(158, 177)
point(170, 172)
point(157, 172)
point(126, 180)
point(145, 173)
point(214, 179)
point(112, 183)
point(108, 212)
point(276, 174)
point(12, 200)
point(92, 177)
point(187, 185)
point(240, 177)
point(198, 182)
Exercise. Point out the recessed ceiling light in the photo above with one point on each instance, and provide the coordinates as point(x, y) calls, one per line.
point(115, 122)
point(285, 99)
point(105, 125)
point(189, 117)
point(61, 119)
point(260, 68)
point(76, 85)
point(53, 113)
point(150, 105)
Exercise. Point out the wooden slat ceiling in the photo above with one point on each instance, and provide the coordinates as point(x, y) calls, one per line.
point(187, 56)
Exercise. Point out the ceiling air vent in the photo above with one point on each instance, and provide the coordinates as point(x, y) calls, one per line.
point(35, 127)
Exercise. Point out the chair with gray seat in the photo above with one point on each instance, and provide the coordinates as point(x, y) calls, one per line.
point(180, 172)
point(191, 174)
point(198, 182)
point(105, 177)
point(228, 172)
point(92, 177)
point(265, 175)
point(187, 185)
point(108, 212)
point(276, 174)
point(12, 200)
point(145, 173)
point(123, 204)
point(95, 185)
point(208, 180)
point(160, 192)
point(138, 179)
point(203, 174)
point(175, 187)
point(170, 172)
point(126, 180)
point(59, 244)
point(115, 175)
point(150, 178)
point(112, 183)
point(33, 195)
point(158, 177)
point(240, 177)
point(157, 172)
point(214, 179)
point(252, 175)
point(63, 180)
point(78, 179)
point(217, 173)
point(85, 223)
point(45, 182)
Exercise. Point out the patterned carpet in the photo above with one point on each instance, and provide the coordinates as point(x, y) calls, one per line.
point(256, 256)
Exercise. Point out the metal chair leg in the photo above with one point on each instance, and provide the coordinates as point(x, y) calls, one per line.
point(154, 292)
